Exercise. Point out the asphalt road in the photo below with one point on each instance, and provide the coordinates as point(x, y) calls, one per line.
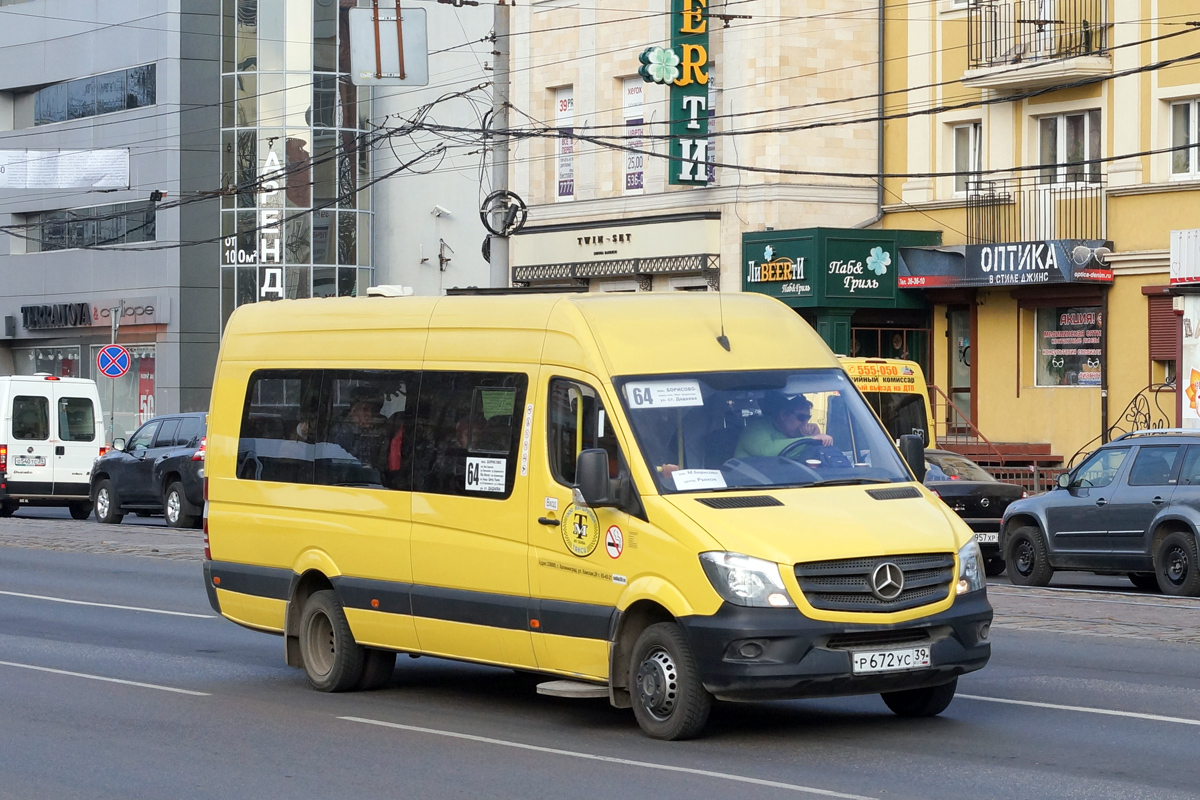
point(117, 680)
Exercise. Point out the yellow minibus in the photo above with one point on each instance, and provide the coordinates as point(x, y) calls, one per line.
point(628, 494)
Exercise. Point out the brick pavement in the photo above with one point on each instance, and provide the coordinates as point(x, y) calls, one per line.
point(1119, 615)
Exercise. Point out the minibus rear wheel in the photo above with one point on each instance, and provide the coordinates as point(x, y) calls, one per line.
point(669, 701)
point(333, 661)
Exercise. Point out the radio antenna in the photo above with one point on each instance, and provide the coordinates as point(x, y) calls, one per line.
point(722, 340)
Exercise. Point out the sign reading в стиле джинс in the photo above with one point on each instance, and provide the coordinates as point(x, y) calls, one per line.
point(684, 67)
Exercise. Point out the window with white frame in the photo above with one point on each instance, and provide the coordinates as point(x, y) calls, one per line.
point(1066, 142)
point(1184, 157)
point(968, 154)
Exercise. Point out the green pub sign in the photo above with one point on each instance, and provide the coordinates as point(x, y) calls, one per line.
point(684, 67)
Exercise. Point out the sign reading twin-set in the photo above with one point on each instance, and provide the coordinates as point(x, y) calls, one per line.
point(113, 361)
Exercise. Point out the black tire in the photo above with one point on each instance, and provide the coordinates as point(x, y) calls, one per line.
point(333, 661)
point(174, 503)
point(994, 566)
point(1146, 581)
point(1025, 557)
point(80, 511)
point(927, 702)
point(107, 504)
point(378, 666)
point(669, 701)
point(7, 510)
point(1177, 565)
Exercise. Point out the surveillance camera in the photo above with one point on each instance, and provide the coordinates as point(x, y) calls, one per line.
point(439, 211)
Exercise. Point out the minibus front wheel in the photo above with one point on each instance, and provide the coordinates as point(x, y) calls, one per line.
point(669, 700)
point(333, 661)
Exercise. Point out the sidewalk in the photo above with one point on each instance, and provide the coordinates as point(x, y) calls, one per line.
point(1121, 615)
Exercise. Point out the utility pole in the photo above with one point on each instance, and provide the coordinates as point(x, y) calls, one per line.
point(500, 89)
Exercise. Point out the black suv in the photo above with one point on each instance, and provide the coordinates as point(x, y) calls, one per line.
point(159, 470)
point(1133, 506)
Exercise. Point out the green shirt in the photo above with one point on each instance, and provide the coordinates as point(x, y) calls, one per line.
point(761, 438)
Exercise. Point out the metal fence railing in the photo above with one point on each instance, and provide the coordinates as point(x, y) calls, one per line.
point(1032, 479)
point(1011, 32)
point(1069, 205)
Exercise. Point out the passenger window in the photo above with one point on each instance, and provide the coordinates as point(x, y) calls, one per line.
point(166, 434)
point(31, 418)
point(76, 419)
point(1189, 475)
point(190, 431)
point(366, 426)
point(279, 426)
point(468, 433)
point(577, 422)
point(1152, 466)
point(1099, 470)
point(144, 437)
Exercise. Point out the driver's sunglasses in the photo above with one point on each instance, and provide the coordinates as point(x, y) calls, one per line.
point(802, 416)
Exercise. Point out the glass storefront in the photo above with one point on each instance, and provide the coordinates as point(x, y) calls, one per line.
point(298, 221)
point(1069, 351)
point(60, 361)
point(132, 395)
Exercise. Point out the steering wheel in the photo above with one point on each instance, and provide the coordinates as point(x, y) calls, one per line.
point(794, 450)
point(807, 450)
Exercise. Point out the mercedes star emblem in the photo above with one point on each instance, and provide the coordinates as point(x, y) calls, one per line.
point(887, 581)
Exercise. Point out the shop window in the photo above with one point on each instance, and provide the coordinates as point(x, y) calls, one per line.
point(132, 395)
point(634, 93)
point(1185, 159)
point(564, 162)
point(1065, 143)
point(76, 419)
point(1068, 342)
point(968, 154)
point(468, 433)
point(577, 422)
point(62, 362)
point(31, 418)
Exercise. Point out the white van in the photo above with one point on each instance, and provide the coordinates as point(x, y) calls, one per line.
point(51, 430)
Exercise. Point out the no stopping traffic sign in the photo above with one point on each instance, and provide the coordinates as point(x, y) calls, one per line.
point(113, 361)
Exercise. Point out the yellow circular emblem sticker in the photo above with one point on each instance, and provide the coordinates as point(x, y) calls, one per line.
point(580, 530)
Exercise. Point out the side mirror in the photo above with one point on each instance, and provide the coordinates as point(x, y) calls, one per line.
point(591, 478)
point(1064, 480)
point(913, 450)
point(119, 444)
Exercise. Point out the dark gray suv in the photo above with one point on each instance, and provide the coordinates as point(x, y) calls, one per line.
point(1133, 506)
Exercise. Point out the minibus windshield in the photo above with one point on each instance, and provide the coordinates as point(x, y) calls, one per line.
point(713, 431)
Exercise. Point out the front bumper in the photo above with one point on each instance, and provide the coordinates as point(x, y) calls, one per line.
point(802, 657)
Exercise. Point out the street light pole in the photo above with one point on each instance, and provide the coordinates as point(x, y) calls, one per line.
point(500, 90)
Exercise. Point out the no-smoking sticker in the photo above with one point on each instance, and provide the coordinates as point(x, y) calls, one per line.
point(614, 542)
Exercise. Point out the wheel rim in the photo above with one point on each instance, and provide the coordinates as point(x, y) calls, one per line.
point(173, 506)
point(658, 684)
point(321, 647)
point(102, 503)
point(1177, 565)
point(1025, 557)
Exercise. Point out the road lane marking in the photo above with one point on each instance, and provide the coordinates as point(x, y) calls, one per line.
point(102, 678)
point(109, 605)
point(1083, 709)
point(612, 760)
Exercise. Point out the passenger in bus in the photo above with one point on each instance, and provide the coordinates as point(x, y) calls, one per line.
point(784, 421)
point(364, 432)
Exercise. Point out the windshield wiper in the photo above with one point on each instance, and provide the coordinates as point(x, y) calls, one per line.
point(847, 482)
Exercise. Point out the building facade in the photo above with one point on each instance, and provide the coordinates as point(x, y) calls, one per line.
point(1052, 146)
point(86, 76)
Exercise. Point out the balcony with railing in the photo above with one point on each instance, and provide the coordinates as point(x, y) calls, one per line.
point(1032, 209)
point(1016, 44)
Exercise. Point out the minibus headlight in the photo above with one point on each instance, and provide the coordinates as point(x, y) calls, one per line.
point(746, 581)
point(970, 569)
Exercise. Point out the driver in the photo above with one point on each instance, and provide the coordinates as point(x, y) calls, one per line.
point(784, 421)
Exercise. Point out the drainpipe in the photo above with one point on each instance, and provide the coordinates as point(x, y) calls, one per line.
point(879, 161)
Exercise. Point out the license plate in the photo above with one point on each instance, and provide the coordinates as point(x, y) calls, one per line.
point(889, 660)
point(29, 461)
point(987, 538)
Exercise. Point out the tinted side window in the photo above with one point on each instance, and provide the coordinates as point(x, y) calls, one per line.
point(31, 418)
point(166, 434)
point(279, 426)
point(1101, 468)
point(1189, 475)
point(366, 428)
point(1152, 466)
point(469, 433)
point(190, 431)
point(577, 421)
point(143, 437)
point(76, 419)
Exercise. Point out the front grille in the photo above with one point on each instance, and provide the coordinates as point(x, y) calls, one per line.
point(845, 584)
point(752, 501)
point(852, 641)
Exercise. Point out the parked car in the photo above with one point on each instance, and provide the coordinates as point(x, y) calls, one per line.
point(975, 496)
point(50, 433)
point(159, 470)
point(1133, 506)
